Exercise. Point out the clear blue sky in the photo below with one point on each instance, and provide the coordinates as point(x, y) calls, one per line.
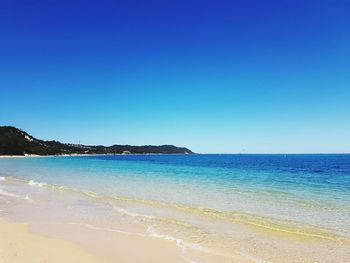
point(215, 76)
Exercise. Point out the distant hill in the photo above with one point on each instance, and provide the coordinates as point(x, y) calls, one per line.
point(14, 141)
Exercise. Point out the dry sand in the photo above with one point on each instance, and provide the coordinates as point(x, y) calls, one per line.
point(18, 245)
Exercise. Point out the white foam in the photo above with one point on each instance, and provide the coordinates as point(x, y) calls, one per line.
point(5, 193)
point(2, 178)
point(182, 244)
point(132, 214)
point(38, 184)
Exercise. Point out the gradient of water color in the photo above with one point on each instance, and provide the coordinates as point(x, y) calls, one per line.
point(312, 190)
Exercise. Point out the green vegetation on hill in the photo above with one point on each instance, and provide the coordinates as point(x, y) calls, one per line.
point(14, 141)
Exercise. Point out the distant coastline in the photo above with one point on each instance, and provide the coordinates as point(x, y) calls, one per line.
point(15, 142)
point(81, 154)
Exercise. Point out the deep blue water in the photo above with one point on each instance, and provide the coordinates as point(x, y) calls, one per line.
point(328, 170)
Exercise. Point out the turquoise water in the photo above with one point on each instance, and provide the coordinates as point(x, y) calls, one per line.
point(308, 189)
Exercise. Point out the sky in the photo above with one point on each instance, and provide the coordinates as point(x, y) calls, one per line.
point(214, 76)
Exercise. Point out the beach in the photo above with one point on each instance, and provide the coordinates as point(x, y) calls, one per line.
point(205, 208)
point(17, 244)
point(175, 131)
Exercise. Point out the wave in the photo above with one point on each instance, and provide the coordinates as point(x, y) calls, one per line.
point(2, 178)
point(34, 183)
point(182, 244)
point(185, 246)
point(5, 193)
point(287, 227)
point(132, 214)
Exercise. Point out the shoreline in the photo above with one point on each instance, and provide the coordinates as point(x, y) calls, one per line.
point(112, 226)
point(135, 154)
point(79, 242)
point(261, 223)
point(110, 239)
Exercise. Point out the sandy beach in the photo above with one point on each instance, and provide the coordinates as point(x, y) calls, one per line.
point(17, 244)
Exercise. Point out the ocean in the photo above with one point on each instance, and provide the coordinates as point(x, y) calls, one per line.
point(211, 201)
